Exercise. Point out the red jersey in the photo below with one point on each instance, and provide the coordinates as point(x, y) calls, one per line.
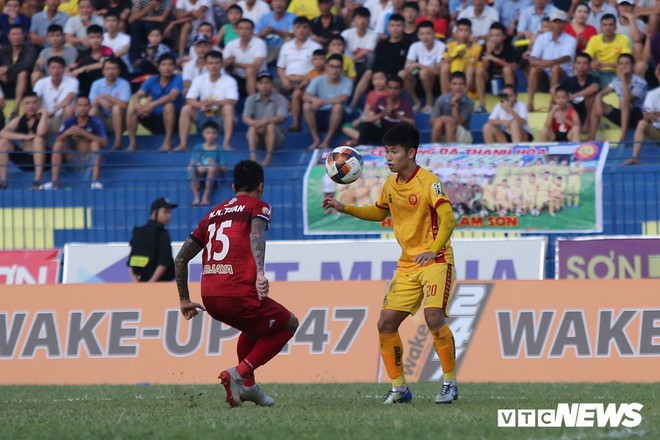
point(228, 267)
point(562, 128)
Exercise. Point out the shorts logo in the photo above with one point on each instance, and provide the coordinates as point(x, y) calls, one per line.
point(412, 199)
point(438, 188)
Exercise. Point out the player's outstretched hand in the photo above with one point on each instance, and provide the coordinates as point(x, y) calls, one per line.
point(330, 203)
point(425, 258)
point(189, 309)
point(262, 286)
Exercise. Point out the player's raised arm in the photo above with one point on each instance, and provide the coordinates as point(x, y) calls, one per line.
point(258, 246)
point(188, 251)
point(371, 213)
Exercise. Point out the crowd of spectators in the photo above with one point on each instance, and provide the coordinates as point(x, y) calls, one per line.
point(82, 69)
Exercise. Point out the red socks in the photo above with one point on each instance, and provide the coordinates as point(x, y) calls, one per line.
point(263, 350)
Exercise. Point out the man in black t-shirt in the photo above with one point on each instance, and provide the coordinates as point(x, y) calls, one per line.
point(582, 89)
point(154, 240)
point(390, 56)
point(498, 61)
point(27, 134)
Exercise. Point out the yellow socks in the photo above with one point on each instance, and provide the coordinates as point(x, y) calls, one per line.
point(443, 339)
point(391, 349)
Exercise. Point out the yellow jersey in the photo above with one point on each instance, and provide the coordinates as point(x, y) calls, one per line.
point(412, 205)
point(471, 56)
point(604, 52)
point(305, 8)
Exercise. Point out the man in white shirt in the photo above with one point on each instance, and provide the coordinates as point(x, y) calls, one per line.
point(508, 120)
point(295, 60)
point(254, 9)
point(649, 127)
point(119, 42)
point(481, 17)
point(211, 97)
point(423, 64)
point(57, 92)
point(75, 30)
point(552, 55)
point(246, 55)
point(360, 41)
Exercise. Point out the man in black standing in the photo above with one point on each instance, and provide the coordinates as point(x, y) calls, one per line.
point(151, 259)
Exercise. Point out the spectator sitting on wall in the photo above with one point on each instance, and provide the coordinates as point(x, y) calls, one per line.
point(27, 134)
point(83, 133)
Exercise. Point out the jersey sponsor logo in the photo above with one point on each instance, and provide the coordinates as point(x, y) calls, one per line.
point(438, 188)
point(265, 210)
point(412, 199)
point(218, 269)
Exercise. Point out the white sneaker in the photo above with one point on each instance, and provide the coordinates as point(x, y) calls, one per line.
point(233, 384)
point(50, 186)
point(254, 394)
point(97, 185)
point(448, 392)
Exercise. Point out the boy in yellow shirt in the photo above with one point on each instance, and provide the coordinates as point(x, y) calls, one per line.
point(462, 55)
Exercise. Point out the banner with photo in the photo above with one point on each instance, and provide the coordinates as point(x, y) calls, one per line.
point(507, 188)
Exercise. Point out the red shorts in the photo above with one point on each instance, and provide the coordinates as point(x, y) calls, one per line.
point(247, 313)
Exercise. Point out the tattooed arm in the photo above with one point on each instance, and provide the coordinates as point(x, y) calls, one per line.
point(258, 246)
point(189, 249)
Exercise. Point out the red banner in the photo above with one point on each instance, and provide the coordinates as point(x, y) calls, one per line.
point(29, 267)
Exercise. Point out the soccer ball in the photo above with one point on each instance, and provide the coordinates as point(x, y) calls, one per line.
point(344, 165)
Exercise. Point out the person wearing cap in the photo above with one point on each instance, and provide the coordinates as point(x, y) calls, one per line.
point(211, 97)
point(529, 23)
point(264, 113)
point(189, 15)
point(151, 259)
point(552, 54)
point(245, 57)
point(605, 49)
point(194, 68)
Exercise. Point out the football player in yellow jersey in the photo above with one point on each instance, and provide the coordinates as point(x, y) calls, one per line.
point(516, 196)
point(556, 196)
point(529, 195)
point(574, 176)
point(423, 222)
point(543, 194)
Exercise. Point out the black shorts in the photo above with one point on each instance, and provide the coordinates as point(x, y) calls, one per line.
point(561, 137)
point(24, 160)
point(636, 115)
point(581, 109)
point(154, 123)
point(530, 138)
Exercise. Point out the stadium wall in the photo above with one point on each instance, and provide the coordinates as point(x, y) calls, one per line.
point(505, 331)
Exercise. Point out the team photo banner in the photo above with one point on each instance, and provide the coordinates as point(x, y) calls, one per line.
point(329, 260)
point(505, 331)
point(608, 257)
point(533, 187)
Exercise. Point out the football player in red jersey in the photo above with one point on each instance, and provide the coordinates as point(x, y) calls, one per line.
point(234, 286)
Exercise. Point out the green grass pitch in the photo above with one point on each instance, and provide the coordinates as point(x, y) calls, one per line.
point(328, 411)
